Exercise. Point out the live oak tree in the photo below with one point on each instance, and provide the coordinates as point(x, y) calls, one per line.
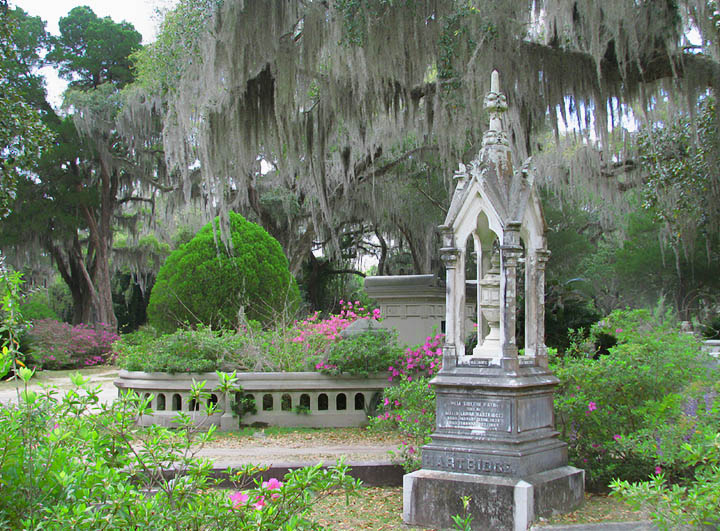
point(23, 135)
point(94, 178)
point(337, 96)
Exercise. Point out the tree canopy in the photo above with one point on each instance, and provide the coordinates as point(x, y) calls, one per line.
point(91, 50)
point(336, 95)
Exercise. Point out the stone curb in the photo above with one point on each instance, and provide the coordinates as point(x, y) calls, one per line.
point(371, 474)
point(642, 525)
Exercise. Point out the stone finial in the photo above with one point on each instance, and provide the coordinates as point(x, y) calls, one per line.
point(496, 104)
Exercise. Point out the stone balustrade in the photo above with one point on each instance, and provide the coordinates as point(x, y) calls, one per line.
point(301, 399)
point(712, 347)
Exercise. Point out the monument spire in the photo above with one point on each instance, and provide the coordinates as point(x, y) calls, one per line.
point(496, 104)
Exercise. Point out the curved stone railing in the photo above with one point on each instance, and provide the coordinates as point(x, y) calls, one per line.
point(301, 399)
point(712, 347)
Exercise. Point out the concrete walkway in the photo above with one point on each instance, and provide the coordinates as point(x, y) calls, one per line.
point(102, 376)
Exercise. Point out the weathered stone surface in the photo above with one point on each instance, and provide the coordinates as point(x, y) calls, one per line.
point(431, 498)
point(494, 439)
point(414, 304)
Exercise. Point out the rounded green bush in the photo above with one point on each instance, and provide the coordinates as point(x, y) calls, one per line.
point(202, 282)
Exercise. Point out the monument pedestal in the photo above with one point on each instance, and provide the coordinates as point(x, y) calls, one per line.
point(431, 497)
point(494, 442)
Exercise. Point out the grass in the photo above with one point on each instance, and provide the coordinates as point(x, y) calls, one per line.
point(380, 508)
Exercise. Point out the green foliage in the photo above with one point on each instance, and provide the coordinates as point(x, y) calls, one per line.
point(363, 354)
point(205, 282)
point(92, 50)
point(674, 506)
point(73, 463)
point(13, 324)
point(408, 407)
point(603, 403)
point(23, 135)
point(36, 306)
point(161, 64)
point(55, 345)
point(185, 350)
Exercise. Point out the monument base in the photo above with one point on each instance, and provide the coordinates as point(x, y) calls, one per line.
point(432, 497)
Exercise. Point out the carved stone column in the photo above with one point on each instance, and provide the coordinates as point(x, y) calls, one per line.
point(531, 338)
point(450, 255)
point(510, 250)
point(543, 255)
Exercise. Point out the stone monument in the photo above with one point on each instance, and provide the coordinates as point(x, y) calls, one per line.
point(494, 440)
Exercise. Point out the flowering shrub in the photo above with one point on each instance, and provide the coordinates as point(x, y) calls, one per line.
point(200, 350)
point(621, 413)
point(299, 346)
point(673, 506)
point(423, 360)
point(74, 464)
point(409, 406)
point(305, 345)
point(56, 345)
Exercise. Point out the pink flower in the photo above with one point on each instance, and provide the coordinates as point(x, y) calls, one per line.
point(658, 470)
point(617, 437)
point(618, 330)
point(592, 406)
point(272, 484)
point(260, 503)
point(238, 498)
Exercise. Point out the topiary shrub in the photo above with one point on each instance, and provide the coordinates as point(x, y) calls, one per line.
point(202, 282)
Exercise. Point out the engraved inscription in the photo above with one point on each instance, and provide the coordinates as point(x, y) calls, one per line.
point(478, 415)
point(455, 462)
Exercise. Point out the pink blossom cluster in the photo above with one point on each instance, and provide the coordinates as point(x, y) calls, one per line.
point(424, 360)
point(62, 344)
point(268, 493)
point(313, 329)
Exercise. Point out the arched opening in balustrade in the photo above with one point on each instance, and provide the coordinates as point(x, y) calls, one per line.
point(359, 401)
point(194, 405)
point(213, 400)
point(286, 402)
point(323, 402)
point(305, 401)
point(341, 402)
point(160, 402)
point(177, 402)
point(267, 402)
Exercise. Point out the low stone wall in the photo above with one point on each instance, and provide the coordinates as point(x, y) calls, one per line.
point(712, 347)
point(298, 399)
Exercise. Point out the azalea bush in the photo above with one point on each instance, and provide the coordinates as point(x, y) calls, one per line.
point(693, 504)
point(56, 345)
point(409, 406)
point(73, 463)
point(191, 350)
point(622, 413)
point(362, 354)
point(302, 345)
